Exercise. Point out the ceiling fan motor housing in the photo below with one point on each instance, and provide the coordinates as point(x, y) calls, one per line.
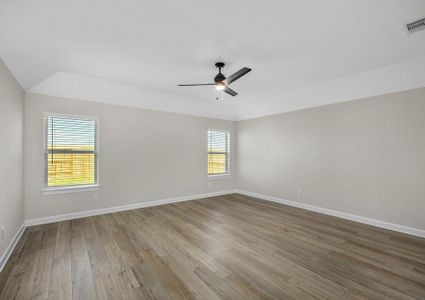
point(219, 77)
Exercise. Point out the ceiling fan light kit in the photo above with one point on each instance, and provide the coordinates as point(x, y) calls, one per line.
point(221, 82)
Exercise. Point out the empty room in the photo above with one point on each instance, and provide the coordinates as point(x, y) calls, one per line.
point(212, 149)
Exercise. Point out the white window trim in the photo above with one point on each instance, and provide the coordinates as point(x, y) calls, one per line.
point(228, 174)
point(70, 189)
point(52, 190)
point(219, 176)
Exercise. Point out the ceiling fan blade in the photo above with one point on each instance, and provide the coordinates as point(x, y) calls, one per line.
point(230, 91)
point(196, 84)
point(237, 75)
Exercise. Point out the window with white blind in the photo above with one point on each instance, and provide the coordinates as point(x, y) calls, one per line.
point(218, 152)
point(70, 151)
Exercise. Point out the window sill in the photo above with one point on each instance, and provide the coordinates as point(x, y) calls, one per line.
point(219, 176)
point(70, 189)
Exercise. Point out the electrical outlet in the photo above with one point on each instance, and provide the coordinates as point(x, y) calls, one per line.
point(2, 232)
point(95, 196)
point(300, 193)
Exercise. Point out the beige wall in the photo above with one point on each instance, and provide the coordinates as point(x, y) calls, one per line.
point(11, 156)
point(144, 156)
point(364, 157)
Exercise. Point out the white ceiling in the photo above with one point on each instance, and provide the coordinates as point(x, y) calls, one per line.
point(303, 53)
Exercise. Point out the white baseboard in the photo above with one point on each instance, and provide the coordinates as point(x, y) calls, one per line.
point(88, 213)
point(339, 214)
point(9, 249)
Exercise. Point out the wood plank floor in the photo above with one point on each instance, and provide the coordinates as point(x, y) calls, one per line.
point(228, 247)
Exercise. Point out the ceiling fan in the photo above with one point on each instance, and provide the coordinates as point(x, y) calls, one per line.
point(222, 82)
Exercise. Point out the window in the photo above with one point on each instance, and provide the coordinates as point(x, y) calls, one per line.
point(70, 151)
point(218, 152)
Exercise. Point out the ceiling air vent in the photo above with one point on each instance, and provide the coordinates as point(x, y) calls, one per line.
point(416, 26)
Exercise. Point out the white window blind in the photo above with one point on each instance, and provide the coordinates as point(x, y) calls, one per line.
point(70, 151)
point(218, 152)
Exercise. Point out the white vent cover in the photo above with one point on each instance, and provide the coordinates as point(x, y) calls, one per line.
point(416, 26)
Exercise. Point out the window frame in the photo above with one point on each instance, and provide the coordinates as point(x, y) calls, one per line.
point(227, 154)
point(50, 190)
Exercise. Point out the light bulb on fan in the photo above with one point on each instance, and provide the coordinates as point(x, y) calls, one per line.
point(220, 86)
